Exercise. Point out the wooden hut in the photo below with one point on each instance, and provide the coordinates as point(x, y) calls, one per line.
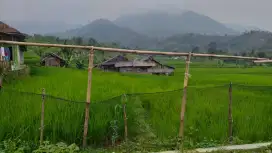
point(52, 59)
point(145, 65)
point(15, 52)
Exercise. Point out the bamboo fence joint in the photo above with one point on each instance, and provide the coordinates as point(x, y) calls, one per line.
point(230, 114)
point(184, 97)
point(88, 98)
point(42, 117)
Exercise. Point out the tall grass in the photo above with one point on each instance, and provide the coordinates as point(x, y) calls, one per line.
point(206, 116)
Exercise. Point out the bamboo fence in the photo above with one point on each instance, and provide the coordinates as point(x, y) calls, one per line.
point(129, 50)
point(93, 48)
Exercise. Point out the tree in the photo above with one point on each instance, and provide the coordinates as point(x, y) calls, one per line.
point(243, 54)
point(261, 54)
point(92, 42)
point(212, 47)
point(38, 51)
point(67, 54)
point(252, 53)
point(220, 63)
point(77, 41)
point(195, 49)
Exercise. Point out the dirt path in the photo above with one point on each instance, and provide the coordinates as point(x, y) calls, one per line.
point(228, 148)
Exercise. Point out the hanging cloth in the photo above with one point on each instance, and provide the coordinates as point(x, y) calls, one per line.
point(2, 50)
point(7, 54)
point(2, 53)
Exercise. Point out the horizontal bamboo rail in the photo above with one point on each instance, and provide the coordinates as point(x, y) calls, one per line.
point(263, 61)
point(128, 50)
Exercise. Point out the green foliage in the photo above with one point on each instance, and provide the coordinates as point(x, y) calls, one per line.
point(57, 148)
point(15, 146)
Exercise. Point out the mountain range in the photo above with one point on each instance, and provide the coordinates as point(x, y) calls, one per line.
point(157, 30)
point(143, 29)
point(162, 24)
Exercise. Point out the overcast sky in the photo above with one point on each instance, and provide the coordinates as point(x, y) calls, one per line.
point(245, 12)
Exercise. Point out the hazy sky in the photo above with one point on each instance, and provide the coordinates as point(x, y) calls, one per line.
point(245, 12)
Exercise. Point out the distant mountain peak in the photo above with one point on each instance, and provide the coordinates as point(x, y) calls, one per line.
point(164, 24)
point(102, 21)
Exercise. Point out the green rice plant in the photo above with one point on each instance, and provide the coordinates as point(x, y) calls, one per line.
point(154, 115)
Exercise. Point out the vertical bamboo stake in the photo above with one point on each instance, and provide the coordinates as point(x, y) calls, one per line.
point(88, 99)
point(42, 117)
point(125, 121)
point(183, 105)
point(230, 114)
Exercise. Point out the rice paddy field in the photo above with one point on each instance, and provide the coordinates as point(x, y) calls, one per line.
point(153, 105)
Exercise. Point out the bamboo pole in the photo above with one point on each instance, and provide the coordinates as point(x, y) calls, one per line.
point(88, 99)
point(230, 114)
point(124, 102)
point(183, 105)
point(125, 122)
point(42, 117)
point(129, 50)
point(263, 61)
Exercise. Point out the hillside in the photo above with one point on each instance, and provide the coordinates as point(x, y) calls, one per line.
point(105, 31)
point(185, 42)
point(242, 28)
point(162, 24)
point(257, 40)
point(250, 40)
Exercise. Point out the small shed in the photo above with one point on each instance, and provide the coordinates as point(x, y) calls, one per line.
point(52, 59)
point(144, 65)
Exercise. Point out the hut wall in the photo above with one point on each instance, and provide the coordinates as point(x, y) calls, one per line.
point(5, 37)
point(133, 69)
point(109, 68)
point(21, 57)
point(157, 70)
point(51, 61)
point(134, 64)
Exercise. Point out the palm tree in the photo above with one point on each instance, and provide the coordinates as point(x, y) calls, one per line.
point(67, 54)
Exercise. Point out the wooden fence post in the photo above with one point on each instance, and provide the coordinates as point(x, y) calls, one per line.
point(125, 117)
point(42, 117)
point(230, 114)
point(183, 105)
point(88, 99)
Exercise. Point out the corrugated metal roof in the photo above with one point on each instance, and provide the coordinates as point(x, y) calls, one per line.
point(134, 64)
point(114, 60)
